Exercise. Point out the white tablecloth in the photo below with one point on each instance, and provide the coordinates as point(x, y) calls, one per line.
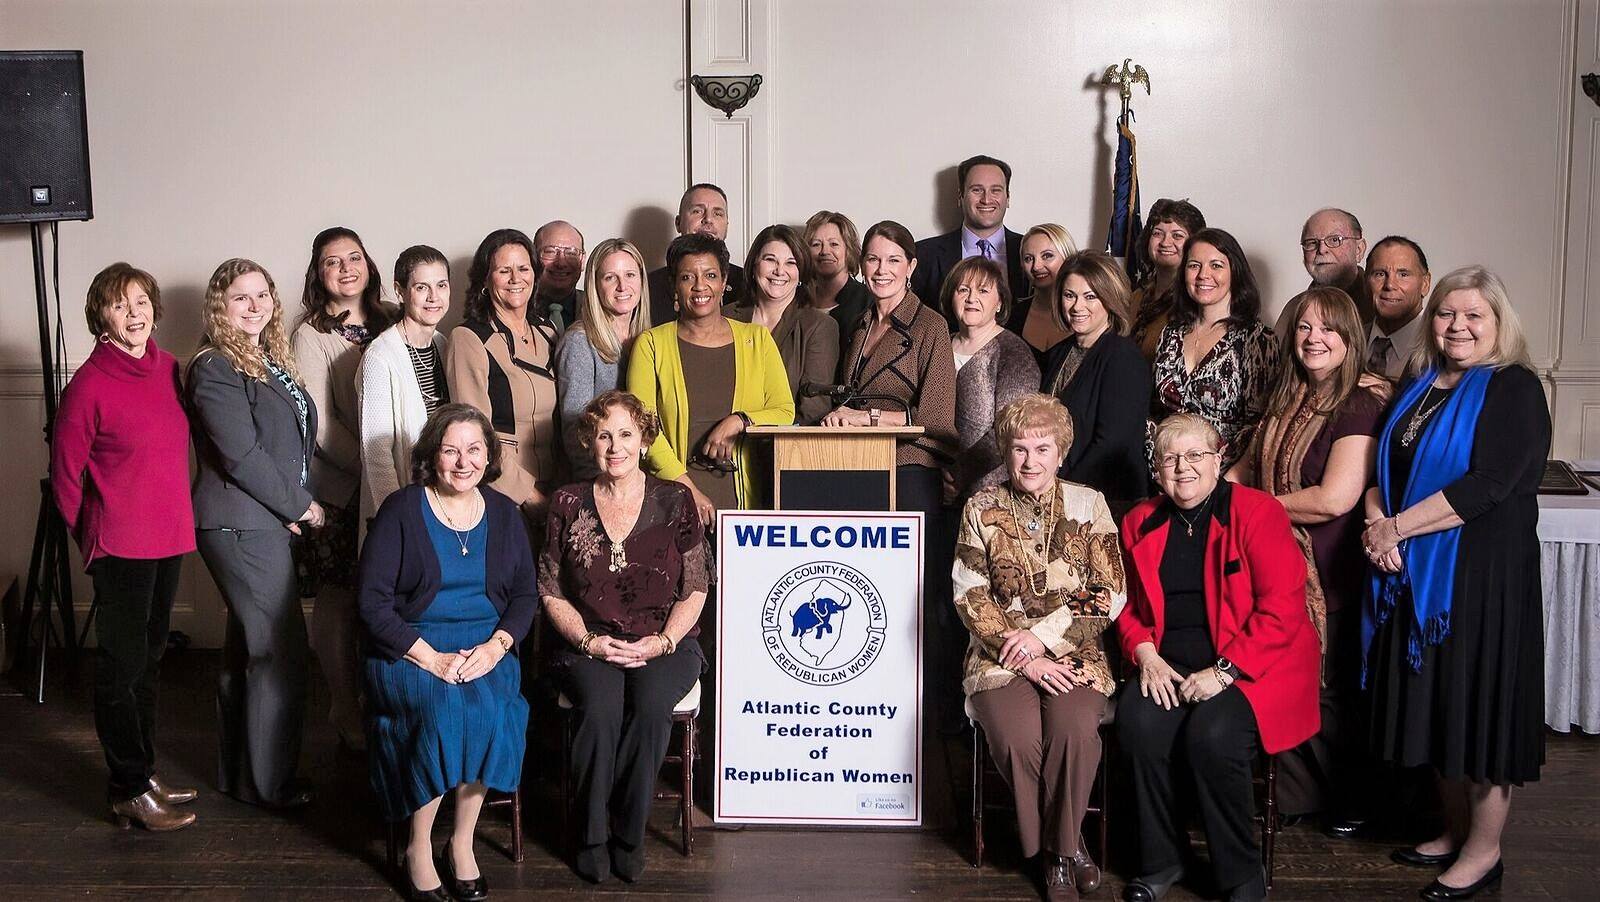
point(1569, 558)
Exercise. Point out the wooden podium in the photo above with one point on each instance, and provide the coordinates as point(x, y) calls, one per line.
point(834, 468)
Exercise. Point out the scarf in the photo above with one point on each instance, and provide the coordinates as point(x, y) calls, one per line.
point(1280, 452)
point(1443, 455)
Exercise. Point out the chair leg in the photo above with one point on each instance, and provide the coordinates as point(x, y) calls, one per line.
point(1269, 826)
point(686, 803)
point(564, 842)
point(978, 752)
point(1105, 808)
point(516, 825)
point(392, 845)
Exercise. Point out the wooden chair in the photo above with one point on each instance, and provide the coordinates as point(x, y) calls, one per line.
point(1099, 795)
point(685, 719)
point(1269, 818)
point(512, 800)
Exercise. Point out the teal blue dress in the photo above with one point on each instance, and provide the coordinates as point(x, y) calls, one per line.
point(428, 736)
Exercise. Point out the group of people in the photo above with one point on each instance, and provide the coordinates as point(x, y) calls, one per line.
point(1315, 542)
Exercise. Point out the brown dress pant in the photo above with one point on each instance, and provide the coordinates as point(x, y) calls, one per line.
point(1047, 748)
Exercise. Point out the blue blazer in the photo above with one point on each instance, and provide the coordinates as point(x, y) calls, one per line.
point(400, 570)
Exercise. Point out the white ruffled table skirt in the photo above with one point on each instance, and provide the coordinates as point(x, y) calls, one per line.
point(1569, 559)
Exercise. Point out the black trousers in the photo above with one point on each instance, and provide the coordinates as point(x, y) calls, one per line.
point(261, 692)
point(134, 609)
point(1333, 771)
point(944, 638)
point(621, 724)
point(1211, 745)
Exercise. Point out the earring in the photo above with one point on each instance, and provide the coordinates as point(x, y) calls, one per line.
point(104, 338)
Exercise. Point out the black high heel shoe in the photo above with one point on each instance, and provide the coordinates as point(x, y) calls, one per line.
point(1438, 891)
point(413, 894)
point(474, 890)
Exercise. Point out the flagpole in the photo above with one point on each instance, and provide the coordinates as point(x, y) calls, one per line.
point(1124, 229)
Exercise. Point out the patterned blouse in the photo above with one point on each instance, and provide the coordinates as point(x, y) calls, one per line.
point(1066, 591)
point(663, 560)
point(1229, 386)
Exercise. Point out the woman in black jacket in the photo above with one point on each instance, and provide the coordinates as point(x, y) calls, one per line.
point(1103, 380)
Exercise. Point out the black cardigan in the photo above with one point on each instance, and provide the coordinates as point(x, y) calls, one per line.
point(400, 570)
point(1108, 400)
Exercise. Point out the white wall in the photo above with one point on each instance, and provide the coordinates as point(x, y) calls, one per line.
point(222, 129)
point(243, 127)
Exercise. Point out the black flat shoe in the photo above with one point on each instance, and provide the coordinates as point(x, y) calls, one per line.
point(1410, 857)
point(626, 862)
point(590, 863)
point(1438, 891)
point(1345, 828)
point(1253, 890)
point(1153, 887)
point(474, 890)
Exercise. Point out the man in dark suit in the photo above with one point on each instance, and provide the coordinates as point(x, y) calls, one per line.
point(985, 196)
point(1332, 247)
point(557, 267)
point(703, 209)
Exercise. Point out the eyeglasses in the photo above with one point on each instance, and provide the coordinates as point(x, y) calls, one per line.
point(713, 464)
point(1332, 242)
point(1192, 458)
point(553, 253)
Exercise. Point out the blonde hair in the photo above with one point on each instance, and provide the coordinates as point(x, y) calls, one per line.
point(1510, 345)
point(228, 340)
point(1190, 424)
point(1058, 235)
point(1037, 411)
point(592, 316)
point(847, 234)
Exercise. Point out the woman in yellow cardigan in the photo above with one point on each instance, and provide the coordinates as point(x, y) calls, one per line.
point(708, 378)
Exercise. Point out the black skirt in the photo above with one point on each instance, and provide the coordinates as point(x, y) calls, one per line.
point(1476, 708)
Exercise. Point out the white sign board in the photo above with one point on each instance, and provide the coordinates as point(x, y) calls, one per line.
point(819, 668)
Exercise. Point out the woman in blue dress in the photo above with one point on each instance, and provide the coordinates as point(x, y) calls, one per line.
point(447, 592)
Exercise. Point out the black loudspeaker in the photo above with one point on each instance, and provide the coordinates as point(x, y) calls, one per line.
point(44, 137)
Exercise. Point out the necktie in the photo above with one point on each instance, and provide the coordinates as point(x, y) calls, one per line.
point(985, 248)
point(1378, 357)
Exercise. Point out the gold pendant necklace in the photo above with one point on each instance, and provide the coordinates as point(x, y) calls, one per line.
point(461, 537)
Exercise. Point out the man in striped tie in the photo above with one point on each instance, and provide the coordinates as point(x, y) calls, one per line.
point(984, 183)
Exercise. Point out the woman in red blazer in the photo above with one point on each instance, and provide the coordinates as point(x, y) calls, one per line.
point(1228, 657)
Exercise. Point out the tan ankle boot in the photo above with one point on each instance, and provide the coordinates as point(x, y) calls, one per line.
point(171, 794)
point(149, 812)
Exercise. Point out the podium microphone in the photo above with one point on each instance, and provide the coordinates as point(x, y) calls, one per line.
point(822, 389)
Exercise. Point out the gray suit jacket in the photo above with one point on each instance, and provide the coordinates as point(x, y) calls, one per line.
point(250, 449)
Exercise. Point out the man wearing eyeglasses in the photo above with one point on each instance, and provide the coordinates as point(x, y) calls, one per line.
point(557, 266)
point(1332, 248)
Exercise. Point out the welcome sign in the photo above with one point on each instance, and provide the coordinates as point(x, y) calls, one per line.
point(819, 668)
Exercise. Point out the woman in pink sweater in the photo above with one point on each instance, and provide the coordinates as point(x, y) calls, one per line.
point(119, 469)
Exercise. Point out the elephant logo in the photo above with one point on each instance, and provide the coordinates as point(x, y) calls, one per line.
point(823, 623)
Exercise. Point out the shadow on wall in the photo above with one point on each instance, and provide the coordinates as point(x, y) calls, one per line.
point(1103, 169)
point(183, 318)
point(651, 229)
point(946, 201)
point(460, 284)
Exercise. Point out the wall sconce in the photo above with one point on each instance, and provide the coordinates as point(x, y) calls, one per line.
point(728, 93)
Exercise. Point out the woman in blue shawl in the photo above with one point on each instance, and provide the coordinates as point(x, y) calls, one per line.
point(1453, 626)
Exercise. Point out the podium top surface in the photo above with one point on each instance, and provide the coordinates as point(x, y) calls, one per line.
point(843, 431)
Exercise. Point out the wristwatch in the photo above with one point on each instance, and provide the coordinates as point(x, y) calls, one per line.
point(1227, 668)
point(873, 415)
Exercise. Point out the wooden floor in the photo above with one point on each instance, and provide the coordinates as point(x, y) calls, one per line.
point(57, 842)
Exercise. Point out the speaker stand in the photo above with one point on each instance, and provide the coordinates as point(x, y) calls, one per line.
point(49, 574)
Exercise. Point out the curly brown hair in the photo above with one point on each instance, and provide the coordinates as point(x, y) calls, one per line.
point(588, 424)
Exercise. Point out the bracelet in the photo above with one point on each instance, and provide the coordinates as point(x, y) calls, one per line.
point(1222, 678)
point(745, 417)
point(671, 646)
point(583, 644)
point(1395, 521)
point(505, 643)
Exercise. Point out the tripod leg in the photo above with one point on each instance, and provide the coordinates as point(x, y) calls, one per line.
point(63, 558)
point(35, 568)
